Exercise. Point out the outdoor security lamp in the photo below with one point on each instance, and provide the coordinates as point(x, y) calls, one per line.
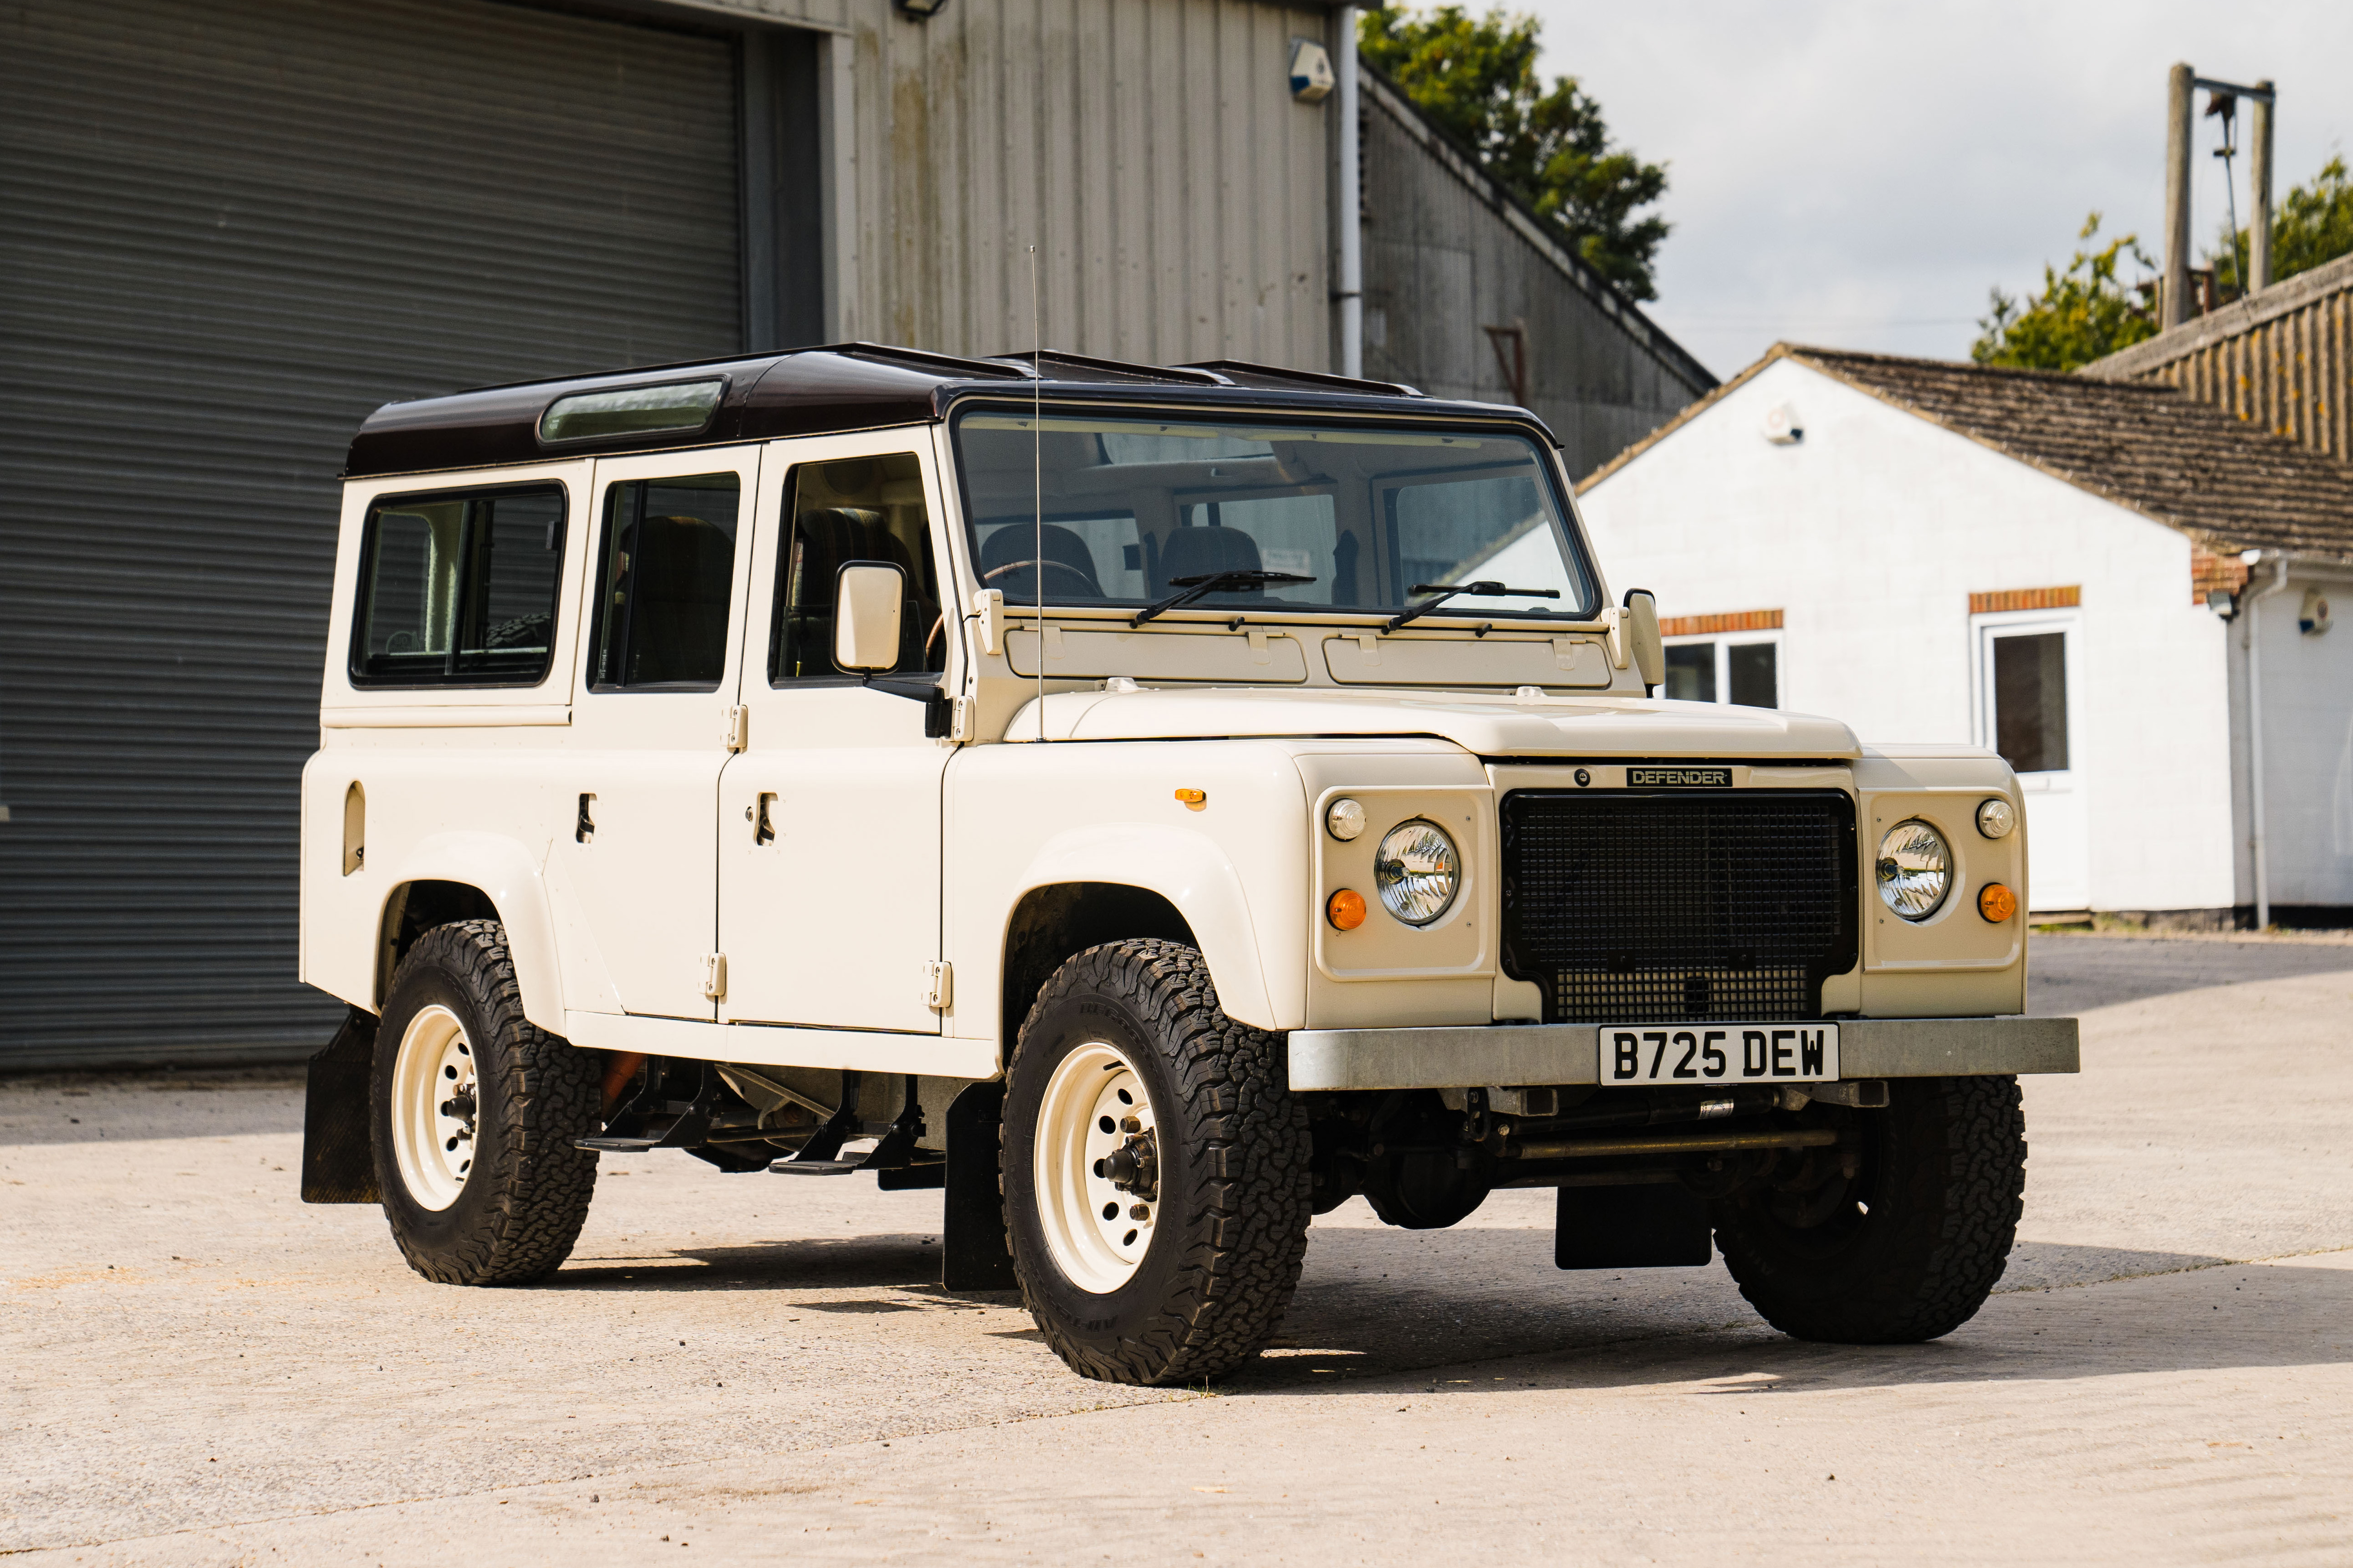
point(921, 10)
point(2222, 602)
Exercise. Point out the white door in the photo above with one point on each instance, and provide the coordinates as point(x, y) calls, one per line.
point(829, 821)
point(635, 873)
point(2026, 681)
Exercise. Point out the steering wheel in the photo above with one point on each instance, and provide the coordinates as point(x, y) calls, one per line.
point(1086, 580)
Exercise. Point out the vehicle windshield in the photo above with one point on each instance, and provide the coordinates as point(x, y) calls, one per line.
point(1379, 518)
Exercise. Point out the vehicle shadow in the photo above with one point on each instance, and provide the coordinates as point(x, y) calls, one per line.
point(1377, 1303)
point(1362, 1311)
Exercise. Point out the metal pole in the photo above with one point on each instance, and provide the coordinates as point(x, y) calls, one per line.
point(2259, 182)
point(2252, 610)
point(1347, 200)
point(2174, 297)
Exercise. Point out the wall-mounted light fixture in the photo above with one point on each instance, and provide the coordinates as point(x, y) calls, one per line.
point(921, 10)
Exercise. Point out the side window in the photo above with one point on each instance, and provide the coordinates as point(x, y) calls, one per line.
point(857, 509)
point(663, 575)
point(459, 588)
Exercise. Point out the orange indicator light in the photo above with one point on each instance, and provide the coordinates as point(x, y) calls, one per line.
point(1997, 904)
point(1345, 910)
point(1194, 799)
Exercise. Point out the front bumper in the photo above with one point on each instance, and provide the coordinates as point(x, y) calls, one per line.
point(1505, 1055)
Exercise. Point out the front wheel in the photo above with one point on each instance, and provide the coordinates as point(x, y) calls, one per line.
point(475, 1110)
point(1900, 1235)
point(1155, 1169)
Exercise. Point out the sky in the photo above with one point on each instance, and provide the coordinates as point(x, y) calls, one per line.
point(1857, 173)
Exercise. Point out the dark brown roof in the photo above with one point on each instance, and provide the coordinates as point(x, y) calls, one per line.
point(2146, 448)
point(843, 387)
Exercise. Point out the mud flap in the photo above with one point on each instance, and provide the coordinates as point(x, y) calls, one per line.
point(1648, 1227)
point(974, 1254)
point(338, 1162)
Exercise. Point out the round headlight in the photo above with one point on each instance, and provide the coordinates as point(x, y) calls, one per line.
point(1996, 817)
point(1417, 872)
point(1344, 819)
point(1916, 869)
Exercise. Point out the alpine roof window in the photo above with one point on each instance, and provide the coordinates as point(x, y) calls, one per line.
point(631, 411)
point(459, 588)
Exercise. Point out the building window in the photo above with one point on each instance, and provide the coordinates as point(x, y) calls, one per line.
point(2029, 701)
point(1743, 670)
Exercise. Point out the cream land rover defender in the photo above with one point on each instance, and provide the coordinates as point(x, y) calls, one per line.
point(1151, 805)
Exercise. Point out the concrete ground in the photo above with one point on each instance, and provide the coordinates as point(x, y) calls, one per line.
point(200, 1368)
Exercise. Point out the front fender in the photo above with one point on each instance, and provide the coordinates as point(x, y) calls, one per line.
point(506, 873)
point(1193, 872)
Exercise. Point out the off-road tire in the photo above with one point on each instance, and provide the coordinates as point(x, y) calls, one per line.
point(523, 1201)
point(1943, 1174)
point(1235, 1196)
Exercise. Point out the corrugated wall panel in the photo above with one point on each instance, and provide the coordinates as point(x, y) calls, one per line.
point(229, 231)
point(1447, 254)
point(1150, 149)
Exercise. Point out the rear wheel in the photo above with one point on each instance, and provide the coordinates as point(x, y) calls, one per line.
point(1155, 1169)
point(1897, 1237)
point(475, 1110)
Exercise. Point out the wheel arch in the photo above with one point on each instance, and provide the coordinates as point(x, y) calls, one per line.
point(1101, 884)
point(475, 876)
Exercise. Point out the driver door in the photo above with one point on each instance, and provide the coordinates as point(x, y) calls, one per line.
point(830, 844)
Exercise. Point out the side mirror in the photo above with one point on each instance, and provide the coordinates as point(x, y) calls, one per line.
point(1642, 642)
point(869, 597)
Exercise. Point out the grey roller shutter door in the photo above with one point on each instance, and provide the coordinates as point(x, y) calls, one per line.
point(226, 232)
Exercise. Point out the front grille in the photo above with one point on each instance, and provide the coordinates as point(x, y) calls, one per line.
point(1631, 907)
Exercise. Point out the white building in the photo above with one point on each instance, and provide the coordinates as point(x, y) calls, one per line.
point(2102, 581)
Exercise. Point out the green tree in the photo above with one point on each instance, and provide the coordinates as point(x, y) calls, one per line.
point(1548, 147)
point(2314, 225)
point(2081, 313)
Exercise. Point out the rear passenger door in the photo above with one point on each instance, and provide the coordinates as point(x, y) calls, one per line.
point(634, 876)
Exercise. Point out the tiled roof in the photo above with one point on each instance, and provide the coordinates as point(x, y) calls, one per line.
point(2146, 448)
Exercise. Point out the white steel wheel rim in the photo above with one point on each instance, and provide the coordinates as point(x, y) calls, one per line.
point(434, 1149)
point(1097, 1233)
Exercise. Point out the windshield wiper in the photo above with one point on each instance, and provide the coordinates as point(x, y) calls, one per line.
point(1485, 588)
point(1211, 583)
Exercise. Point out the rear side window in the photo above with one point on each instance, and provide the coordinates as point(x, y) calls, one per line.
point(664, 577)
point(459, 588)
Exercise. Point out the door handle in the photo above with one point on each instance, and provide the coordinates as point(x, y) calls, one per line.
point(584, 826)
point(762, 830)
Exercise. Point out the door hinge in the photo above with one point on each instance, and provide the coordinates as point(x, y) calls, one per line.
point(939, 984)
point(739, 728)
point(715, 976)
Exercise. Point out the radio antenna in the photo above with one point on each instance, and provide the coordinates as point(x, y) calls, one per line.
point(1038, 480)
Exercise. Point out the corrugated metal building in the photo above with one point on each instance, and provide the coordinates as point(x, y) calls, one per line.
point(2281, 359)
point(1469, 294)
point(230, 229)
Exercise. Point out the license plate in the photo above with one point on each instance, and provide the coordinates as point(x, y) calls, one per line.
point(1719, 1053)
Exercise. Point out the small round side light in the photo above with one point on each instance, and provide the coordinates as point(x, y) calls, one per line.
point(1345, 910)
point(1192, 799)
point(1344, 819)
point(1996, 817)
point(1996, 903)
